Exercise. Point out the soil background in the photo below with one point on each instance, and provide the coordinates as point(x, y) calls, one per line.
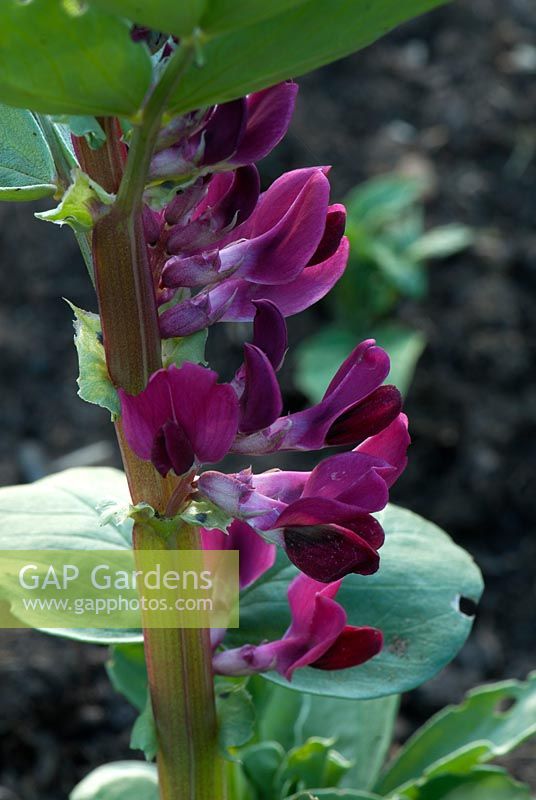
point(451, 95)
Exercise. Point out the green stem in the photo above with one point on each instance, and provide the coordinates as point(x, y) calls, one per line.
point(179, 661)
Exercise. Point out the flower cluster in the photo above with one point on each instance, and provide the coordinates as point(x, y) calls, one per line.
point(223, 251)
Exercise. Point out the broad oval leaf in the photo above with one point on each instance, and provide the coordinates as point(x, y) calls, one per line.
point(413, 598)
point(63, 512)
point(26, 167)
point(169, 16)
point(120, 780)
point(76, 61)
point(491, 722)
point(287, 45)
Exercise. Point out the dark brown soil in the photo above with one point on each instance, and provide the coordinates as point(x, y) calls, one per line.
point(452, 95)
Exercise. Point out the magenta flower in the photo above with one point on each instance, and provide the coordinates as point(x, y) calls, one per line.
point(256, 555)
point(181, 419)
point(354, 407)
point(318, 637)
point(290, 249)
point(229, 135)
point(322, 518)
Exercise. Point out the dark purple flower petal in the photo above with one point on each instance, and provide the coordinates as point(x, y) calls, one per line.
point(352, 647)
point(366, 418)
point(184, 202)
point(268, 116)
point(172, 450)
point(270, 332)
point(261, 402)
point(152, 225)
point(333, 233)
point(231, 197)
point(329, 552)
point(224, 130)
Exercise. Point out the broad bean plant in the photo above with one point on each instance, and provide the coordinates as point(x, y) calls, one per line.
point(143, 123)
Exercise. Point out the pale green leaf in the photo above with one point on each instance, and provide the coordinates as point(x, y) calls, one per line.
point(128, 673)
point(143, 735)
point(185, 348)
point(442, 242)
point(236, 717)
point(94, 384)
point(82, 205)
point(120, 780)
point(26, 167)
point(62, 512)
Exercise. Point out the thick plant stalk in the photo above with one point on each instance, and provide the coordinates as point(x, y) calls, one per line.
point(179, 661)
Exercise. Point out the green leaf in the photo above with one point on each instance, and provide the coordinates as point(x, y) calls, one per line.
point(315, 359)
point(413, 598)
point(169, 16)
point(88, 127)
point(206, 514)
point(26, 167)
point(405, 347)
point(361, 729)
point(333, 794)
point(478, 727)
point(63, 58)
point(289, 44)
point(82, 205)
point(94, 384)
point(185, 348)
point(490, 783)
point(236, 716)
point(61, 512)
point(382, 200)
point(143, 735)
point(261, 763)
point(227, 15)
point(314, 763)
point(128, 673)
point(442, 242)
point(121, 780)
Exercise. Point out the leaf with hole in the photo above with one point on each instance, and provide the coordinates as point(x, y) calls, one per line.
point(491, 722)
point(27, 170)
point(66, 58)
point(414, 599)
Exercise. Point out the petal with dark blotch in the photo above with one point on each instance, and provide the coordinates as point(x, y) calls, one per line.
point(353, 646)
point(231, 198)
point(268, 116)
point(329, 552)
point(143, 415)
point(270, 331)
point(366, 418)
point(172, 450)
point(333, 233)
point(261, 402)
point(207, 410)
point(224, 130)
